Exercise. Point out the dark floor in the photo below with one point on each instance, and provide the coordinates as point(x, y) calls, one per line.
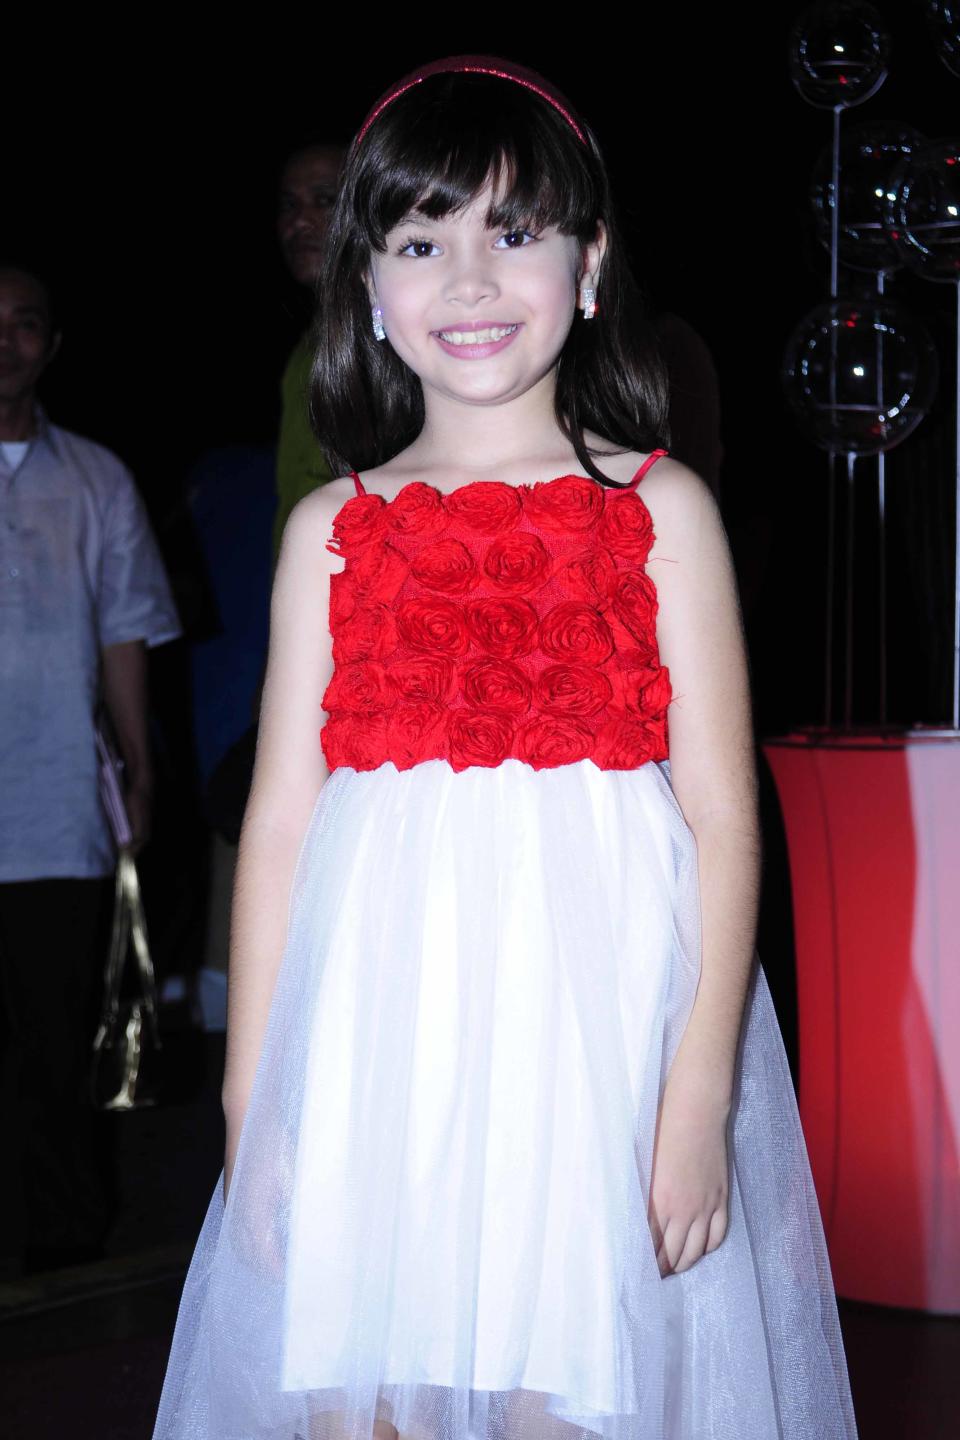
point(88, 1368)
point(83, 1351)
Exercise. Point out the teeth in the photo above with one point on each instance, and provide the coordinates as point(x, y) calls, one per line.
point(476, 337)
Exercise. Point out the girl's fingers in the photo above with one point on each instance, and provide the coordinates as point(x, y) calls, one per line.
point(681, 1246)
point(719, 1224)
point(656, 1230)
point(674, 1235)
point(693, 1245)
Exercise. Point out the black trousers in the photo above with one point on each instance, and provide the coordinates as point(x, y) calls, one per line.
point(53, 938)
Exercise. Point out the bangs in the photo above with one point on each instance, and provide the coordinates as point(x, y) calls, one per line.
point(440, 145)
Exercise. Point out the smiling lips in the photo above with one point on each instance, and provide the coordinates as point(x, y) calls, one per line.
point(474, 343)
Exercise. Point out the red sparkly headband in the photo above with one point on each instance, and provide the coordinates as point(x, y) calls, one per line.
point(477, 65)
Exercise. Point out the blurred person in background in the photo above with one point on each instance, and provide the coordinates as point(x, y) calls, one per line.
point(694, 398)
point(308, 188)
point(83, 594)
point(226, 719)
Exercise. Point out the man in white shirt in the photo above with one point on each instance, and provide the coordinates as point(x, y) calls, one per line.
point(83, 594)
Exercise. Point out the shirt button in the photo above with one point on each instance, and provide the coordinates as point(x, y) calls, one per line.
point(14, 571)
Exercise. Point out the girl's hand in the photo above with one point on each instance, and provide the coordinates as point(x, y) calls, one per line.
point(258, 1231)
point(229, 1160)
point(689, 1187)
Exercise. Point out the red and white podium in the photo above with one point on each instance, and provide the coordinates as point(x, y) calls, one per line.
point(873, 832)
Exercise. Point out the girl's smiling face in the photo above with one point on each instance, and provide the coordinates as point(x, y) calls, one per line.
point(479, 315)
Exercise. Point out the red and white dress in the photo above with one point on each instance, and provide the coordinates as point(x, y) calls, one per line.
point(438, 1215)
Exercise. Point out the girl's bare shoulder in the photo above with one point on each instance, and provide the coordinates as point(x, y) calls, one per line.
point(679, 500)
point(672, 492)
point(328, 499)
point(309, 527)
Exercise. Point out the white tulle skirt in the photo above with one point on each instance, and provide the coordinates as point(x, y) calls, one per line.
point(438, 1215)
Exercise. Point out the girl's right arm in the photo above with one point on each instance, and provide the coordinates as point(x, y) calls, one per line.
point(288, 774)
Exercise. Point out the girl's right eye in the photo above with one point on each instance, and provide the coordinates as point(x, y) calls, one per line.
point(417, 248)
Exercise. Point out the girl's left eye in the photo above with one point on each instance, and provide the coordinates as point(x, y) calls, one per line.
point(417, 248)
point(515, 239)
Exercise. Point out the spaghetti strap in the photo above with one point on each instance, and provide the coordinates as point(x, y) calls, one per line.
point(651, 459)
point(357, 482)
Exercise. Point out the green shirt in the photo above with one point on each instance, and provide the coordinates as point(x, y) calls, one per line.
point(300, 465)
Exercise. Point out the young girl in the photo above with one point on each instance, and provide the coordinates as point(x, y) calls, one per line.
point(509, 1155)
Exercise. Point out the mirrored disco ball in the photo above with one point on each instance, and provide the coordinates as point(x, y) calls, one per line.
point(921, 214)
point(838, 53)
point(868, 156)
point(859, 377)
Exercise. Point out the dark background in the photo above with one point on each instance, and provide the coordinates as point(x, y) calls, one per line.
point(142, 178)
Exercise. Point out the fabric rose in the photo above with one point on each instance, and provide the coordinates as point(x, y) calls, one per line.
point(572, 689)
point(571, 631)
point(343, 598)
point(434, 626)
point(423, 677)
point(369, 634)
point(625, 744)
point(628, 676)
point(445, 565)
point(495, 685)
point(627, 527)
point(418, 510)
point(361, 687)
point(660, 727)
point(503, 626)
point(518, 563)
point(379, 571)
point(634, 602)
point(627, 651)
point(415, 731)
point(554, 740)
point(570, 503)
point(478, 738)
point(487, 506)
point(355, 740)
point(656, 695)
point(359, 522)
point(590, 577)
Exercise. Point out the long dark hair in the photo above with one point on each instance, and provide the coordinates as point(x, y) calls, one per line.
point(435, 148)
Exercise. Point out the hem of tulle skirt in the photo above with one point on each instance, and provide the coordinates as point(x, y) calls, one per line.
point(389, 1405)
point(574, 1406)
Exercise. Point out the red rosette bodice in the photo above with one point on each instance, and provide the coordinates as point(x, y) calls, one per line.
point(497, 622)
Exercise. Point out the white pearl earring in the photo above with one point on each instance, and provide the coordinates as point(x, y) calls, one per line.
point(378, 329)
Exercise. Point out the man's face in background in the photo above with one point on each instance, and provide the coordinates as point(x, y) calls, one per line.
point(27, 340)
point(308, 189)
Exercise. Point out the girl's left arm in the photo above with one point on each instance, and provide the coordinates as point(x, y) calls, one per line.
point(713, 772)
point(712, 758)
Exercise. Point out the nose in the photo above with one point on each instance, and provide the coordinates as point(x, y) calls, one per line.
point(471, 280)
